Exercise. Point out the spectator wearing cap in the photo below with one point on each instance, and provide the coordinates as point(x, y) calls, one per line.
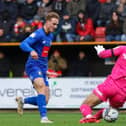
point(36, 23)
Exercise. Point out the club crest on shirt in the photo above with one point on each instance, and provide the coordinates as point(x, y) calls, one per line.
point(39, 73)
point(33, 35)
point(43, 42)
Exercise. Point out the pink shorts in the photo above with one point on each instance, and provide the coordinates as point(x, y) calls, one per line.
point(108, 90)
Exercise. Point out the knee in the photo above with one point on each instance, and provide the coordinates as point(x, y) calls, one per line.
point(40, 86)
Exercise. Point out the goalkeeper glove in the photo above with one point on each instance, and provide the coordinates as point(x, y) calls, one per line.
point(99, 48)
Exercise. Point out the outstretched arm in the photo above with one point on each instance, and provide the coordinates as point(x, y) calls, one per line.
point(109, 52)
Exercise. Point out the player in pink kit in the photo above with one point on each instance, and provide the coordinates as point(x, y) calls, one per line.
point(112, 89)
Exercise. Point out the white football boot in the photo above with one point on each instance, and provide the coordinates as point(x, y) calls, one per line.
point(20, 104)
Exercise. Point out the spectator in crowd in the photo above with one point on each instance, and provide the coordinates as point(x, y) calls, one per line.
point(123, 37)
point(93, 10)
point(114, 28)
point(24, 74)
point(44, 6)
point(118, 2)
point(80, 66)
point(59, 6)
point(106, 11)
point(27, 31)
point(20, 1)
point(11, 7)
point(4, 65)
point(7, 24)
point(66, 29)
point(74, 6)
point(122, 11)
point(3, 37)
point(102, 1)
point(36, 23)
point(57, 63)
point(28, 10)
point(84, 28)
point(19, 28)
point(19, 25)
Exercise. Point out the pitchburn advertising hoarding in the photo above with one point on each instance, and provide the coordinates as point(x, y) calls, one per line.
point(65, 92)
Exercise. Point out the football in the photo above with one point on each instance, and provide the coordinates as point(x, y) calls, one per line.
point(110, 114)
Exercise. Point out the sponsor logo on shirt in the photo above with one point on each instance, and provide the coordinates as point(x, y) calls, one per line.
point(45, 51)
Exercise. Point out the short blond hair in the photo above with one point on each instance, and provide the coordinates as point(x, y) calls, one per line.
point(51, 15)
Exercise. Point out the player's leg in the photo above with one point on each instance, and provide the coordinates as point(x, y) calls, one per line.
point(86, 108)
point(32, 72)
point(20, 104)
point(100, 94)
point(47, 93)
point(29, 100)
point(88, 103)
point(41, 89)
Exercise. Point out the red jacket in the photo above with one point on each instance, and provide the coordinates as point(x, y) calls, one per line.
point(18, 26)
point(37, 24)
point(87, 29)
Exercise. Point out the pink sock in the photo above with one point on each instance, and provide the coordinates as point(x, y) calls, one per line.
point(98, 115)
point(85, 110)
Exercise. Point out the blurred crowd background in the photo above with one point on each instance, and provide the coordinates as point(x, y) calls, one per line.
point(81, 20)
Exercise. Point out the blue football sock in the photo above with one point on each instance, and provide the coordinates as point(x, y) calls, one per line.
point(31, 100)
point(41, 102)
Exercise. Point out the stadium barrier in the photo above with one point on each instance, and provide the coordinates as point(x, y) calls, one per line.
point(69, 43)
point(65, 92)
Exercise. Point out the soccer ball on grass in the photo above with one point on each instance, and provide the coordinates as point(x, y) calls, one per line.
point(110, 114)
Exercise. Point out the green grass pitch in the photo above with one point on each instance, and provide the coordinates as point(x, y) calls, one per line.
point(60, 119)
